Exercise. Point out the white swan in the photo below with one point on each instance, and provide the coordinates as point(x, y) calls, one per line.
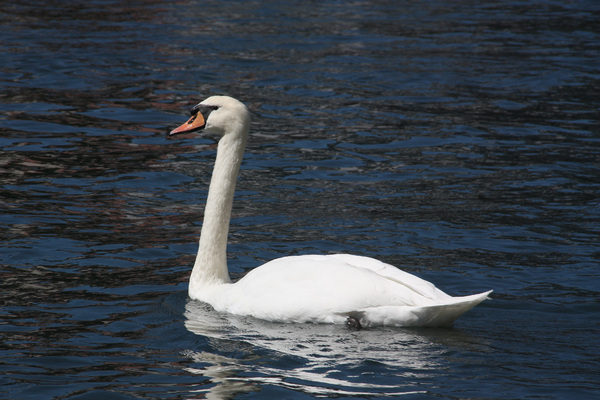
point(338, 288)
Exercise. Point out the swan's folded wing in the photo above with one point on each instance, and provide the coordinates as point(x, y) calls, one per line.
point(314, 288)
point(421, 286)
point(317, 288)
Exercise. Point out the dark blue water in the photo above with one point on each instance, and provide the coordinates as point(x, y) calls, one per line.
point(459, 140)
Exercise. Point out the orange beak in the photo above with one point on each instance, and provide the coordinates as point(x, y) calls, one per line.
point(193, 124)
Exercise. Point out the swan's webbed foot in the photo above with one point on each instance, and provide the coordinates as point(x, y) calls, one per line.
point(353, 323)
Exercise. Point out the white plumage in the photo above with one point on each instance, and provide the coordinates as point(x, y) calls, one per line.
point(308, 288)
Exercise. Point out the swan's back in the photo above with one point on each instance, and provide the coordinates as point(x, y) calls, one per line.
point(329, 289)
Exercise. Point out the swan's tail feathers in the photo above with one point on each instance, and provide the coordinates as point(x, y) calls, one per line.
point(444, 315)
point(435, 316)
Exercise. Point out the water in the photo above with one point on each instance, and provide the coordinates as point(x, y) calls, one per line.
point(460, 141)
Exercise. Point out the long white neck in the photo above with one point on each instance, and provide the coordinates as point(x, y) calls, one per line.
point(210, 267)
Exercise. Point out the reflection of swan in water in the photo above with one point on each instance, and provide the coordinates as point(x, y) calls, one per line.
point(309, 288)
point(316, 352)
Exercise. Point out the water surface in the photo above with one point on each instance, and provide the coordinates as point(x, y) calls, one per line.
point(458, 141)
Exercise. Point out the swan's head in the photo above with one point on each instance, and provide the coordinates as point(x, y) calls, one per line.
point(219, 115)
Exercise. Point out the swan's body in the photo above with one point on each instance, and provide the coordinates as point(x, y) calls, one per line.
point(309, 288)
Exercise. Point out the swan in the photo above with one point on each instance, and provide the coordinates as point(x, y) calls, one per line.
point(340, 288)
